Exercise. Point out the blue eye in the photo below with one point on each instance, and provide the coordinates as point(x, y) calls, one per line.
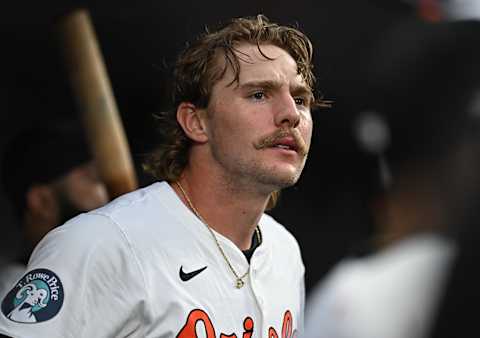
point(258, 95)
point(300, 101)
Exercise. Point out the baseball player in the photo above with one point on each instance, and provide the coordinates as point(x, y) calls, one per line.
point(194, 254)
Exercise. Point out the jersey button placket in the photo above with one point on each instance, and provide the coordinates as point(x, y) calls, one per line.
point(257, 292)
point(255, 286)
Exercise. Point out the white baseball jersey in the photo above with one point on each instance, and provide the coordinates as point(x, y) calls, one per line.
point(145, 266)
point(391, 294)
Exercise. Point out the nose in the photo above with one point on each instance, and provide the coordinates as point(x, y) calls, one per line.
point(287, 114)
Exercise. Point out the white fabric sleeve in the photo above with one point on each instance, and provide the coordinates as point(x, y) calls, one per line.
point(329, 310)
point(89, 265)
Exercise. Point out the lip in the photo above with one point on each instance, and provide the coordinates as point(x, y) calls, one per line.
point(287, 143)
point(285, 153)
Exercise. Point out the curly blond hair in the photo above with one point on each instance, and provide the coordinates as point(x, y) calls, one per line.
point(196, 71)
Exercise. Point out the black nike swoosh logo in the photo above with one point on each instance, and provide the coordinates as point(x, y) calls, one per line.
point(186, 276)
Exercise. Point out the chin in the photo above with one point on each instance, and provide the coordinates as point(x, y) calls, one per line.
point(288, 174)
point(272, 176)
point(290, 181)
point(281, 180)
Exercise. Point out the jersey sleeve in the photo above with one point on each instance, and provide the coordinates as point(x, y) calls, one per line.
point(82, 280)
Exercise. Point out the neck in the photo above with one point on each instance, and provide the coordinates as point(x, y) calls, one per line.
point(232, 213)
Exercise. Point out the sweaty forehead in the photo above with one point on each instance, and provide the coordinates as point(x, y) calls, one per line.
point(270, 63)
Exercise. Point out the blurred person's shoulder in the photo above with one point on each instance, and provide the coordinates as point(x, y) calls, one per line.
point(390, 293)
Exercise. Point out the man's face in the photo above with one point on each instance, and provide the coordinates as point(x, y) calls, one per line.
point(260, 128)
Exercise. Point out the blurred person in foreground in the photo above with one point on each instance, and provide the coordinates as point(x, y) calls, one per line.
point(49, 177)
point(422, 120)
point(193, 255)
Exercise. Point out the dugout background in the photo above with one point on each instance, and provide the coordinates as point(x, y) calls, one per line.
point(327, 209)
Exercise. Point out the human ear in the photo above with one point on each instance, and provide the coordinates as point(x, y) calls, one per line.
point(192, 121)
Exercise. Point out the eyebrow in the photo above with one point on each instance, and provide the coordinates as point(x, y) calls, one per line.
point(296, 89)
point(267, 84)
point(303, 90)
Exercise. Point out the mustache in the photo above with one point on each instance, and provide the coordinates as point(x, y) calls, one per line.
point(273, 138)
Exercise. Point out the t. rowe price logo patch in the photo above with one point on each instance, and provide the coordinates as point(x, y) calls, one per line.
point(37, 297)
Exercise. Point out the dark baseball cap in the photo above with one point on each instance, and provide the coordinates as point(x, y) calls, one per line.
point(41, 154)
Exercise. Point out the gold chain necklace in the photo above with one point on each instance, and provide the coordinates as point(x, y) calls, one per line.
point(239, 283)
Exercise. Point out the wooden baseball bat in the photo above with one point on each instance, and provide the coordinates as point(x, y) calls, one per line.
point(96, 103)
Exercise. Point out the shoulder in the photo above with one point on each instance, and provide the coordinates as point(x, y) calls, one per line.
point(277, 231)
point(137, 213)
point(101, 236)
point(104, 233)
point(423, 253)
point(142, 200)
point(417, 257)
point(280, 239)
point(89, 239)
point(356, 296)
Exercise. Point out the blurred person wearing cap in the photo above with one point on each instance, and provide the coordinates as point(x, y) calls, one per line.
point(49, 177)
point(421, 122)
